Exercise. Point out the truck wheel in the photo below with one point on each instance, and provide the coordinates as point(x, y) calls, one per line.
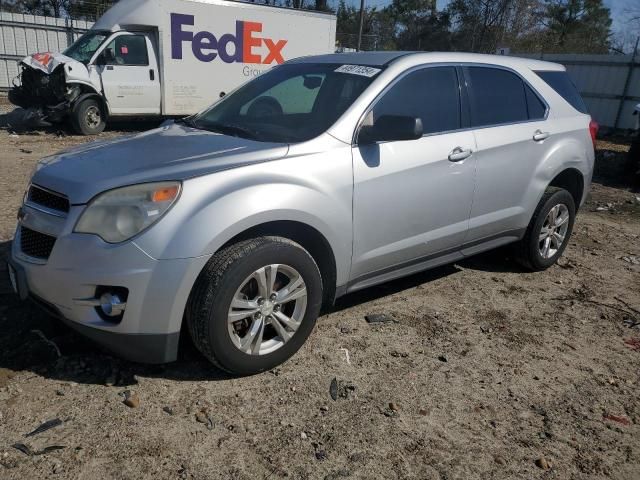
point(88, 117)
point(548, 232)
point(254, 304)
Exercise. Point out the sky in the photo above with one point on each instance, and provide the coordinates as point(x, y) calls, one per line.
point(618, 8)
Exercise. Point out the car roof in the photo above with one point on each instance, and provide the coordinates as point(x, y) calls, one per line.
point(378, 59)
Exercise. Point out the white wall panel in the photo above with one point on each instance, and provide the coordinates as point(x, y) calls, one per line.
point(601, 79)
point(22, 35)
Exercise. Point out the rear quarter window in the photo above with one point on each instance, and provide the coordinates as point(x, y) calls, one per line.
point(499, 97)
point(563, 85)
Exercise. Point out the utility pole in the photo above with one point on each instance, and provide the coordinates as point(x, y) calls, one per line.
point(361, 25)
point(625, 90)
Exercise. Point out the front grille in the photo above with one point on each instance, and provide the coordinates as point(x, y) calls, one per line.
point(48, 199)
point(36, 244)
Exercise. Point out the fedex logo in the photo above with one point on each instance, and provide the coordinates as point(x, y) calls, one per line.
point(206, 47)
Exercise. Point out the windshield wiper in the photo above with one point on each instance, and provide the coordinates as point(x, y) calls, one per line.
point(229, 128)
point(188, 121)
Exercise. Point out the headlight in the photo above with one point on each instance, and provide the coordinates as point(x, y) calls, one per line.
point(118, 215)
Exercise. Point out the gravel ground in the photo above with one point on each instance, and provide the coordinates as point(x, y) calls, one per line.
point(486, 372)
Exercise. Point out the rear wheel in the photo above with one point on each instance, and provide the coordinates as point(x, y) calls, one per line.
point(549, 230)
point(88, 117)
point(255, 304)
point(632, 165)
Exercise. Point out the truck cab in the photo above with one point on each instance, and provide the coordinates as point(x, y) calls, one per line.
point(143, 58)
point(123, 71)
point(126, 65)
point(102, 75)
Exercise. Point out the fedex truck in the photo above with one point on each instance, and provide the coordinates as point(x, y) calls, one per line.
point(146, 58)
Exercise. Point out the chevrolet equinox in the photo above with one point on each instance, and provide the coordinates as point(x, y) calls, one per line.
point(323, 176)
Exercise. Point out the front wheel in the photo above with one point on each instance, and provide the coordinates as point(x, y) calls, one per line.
point(548, 232)
point(87, 118)
point(254, 304)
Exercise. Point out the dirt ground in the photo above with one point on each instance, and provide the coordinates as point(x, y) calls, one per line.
point(487, 372)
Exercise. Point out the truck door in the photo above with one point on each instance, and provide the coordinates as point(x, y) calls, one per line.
point(128, 67)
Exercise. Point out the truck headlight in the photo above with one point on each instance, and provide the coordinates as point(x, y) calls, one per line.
point(118, 215)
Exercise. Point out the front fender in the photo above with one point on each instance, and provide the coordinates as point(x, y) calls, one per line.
point(87, 78)
point(214, 209)
point(83, 96)
point(88, 85)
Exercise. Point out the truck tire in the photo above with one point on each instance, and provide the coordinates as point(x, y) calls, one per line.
point(548, 232)
point(254, 304)
point(88, 118)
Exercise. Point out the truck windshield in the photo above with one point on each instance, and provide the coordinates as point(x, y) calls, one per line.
point(83, 49)
point(290, 103)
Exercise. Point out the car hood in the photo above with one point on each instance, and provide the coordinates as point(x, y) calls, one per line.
point(173, 152)
point(47, 62)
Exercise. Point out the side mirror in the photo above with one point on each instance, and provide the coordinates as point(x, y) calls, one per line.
point(391, 128)
point(311, 82)
point(108, 57)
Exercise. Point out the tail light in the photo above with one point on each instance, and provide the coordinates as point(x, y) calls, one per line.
point(593, 131)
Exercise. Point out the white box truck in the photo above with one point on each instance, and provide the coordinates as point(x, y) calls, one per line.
point(165, 58)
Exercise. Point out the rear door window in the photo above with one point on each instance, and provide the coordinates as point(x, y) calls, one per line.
point(563, 85)
point(431, 94)
point(496, 97)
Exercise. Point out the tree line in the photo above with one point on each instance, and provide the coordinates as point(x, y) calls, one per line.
point(550, 26)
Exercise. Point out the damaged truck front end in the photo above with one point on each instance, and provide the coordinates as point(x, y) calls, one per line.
point(50, 86)
point(45, 96)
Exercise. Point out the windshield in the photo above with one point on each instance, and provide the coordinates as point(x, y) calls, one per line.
point(290, 103)
point(83, 49)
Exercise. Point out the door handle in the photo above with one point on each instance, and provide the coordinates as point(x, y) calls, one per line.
point(539, 135)
point(109, 67)
point(152, 74)
point(458, 154)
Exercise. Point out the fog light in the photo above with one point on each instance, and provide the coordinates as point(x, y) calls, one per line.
point(111, 304)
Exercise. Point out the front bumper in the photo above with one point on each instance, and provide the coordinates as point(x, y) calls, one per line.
point(78, 264)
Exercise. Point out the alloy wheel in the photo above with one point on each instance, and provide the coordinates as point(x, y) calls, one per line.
point(554, 231)
point(267, 309)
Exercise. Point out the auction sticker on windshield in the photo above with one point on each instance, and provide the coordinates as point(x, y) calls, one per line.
point(358, 70)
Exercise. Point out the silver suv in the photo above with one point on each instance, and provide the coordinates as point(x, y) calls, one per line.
point(323, 176)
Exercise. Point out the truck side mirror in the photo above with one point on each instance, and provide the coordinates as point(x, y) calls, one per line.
point(107, 56)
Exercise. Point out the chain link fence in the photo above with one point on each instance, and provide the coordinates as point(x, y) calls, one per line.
point(346, 42)
point(87, 10)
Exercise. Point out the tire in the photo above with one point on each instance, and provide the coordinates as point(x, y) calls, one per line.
point(530, 251)
point(232, 274)
point(88, 117)
point(632, 163)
